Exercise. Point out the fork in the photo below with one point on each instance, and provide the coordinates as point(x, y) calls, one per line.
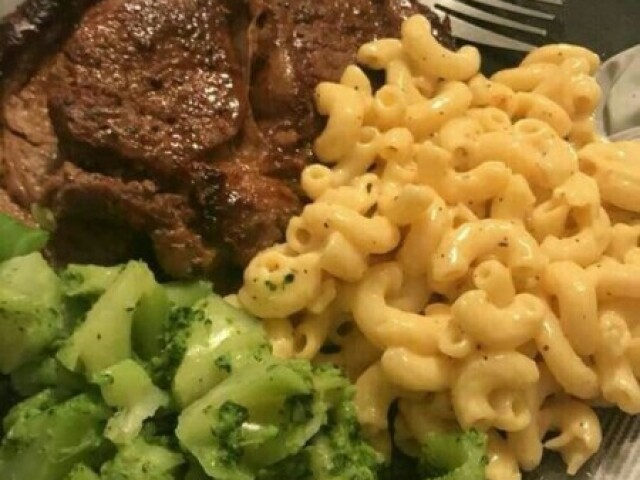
point(465, 30)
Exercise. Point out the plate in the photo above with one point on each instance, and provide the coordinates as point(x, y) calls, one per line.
point(606, 28)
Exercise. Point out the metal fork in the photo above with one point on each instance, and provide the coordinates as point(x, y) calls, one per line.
point(466, 30)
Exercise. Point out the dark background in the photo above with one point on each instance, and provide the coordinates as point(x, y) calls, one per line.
point(605, 26)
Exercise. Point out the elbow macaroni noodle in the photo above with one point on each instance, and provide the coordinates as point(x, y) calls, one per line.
point(471, 251)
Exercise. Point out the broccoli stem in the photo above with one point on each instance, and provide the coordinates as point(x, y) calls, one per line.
point(105, 337)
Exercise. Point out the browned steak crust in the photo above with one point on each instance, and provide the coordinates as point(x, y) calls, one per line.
point(148, 84)
point(314, 41)
point(77, 196)
point(171, 130)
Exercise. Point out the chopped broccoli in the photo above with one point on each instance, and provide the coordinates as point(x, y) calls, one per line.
point(150, 321)
point(142, 460)
point(45, 373)
point(157, 321)
point(88, 280)
point(203, 344)
point(127, 386)
point(17, 239)
point(338, 451)
point(105, 337)
point(30, 310)
point(238, 413)
point(195, 472)
point(186, 294)
point(45, 437)
point(454, 456)
point(82, 472)
point(8, 396)
point(243, 424)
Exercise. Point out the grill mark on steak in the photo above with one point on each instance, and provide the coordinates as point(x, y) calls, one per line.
point(143, 117)
point(245, 208)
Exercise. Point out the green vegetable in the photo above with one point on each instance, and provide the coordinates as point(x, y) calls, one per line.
point(238, 412)
point(186, 294)
point(142, 460)
point(88, 280)
point(46, 373)
point(82, 472)
point(127, 386)
point(17, 239)
point(8, 397)
point(252, 419)
point(150, 321)
point(338, 451)
point(195, 472)
point(30, 310)
point(454, 456)
point(105, 337)
point(45, 438)
point(139, 460)
point(220, 338)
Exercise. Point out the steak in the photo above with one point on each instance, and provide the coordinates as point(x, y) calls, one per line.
point(77, 197)
point(30, 40)
point(315, 41)
point(171, 130)
point(148, 86)
point(9, 207)
point(30, 146)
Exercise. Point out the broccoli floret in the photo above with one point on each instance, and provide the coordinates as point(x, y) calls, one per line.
point(30, 310)
point(150, 321)
point(105, 337)
point(186, 294)
point(8, 396)
point(245, 422)
point(142, 460)
point(17, 239)
point(88, 280)
point(203, 345)
point(46, 373)
point(45, 437)
point(297, 466)
point(127, 386)
point(454, 456)
point(195, 472)
point(337, 451)
point(82, 472)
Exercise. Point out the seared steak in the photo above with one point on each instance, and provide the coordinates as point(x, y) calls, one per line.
point(76, 196)
point(148, 85)
point(314, 41)
point(172, 130)
point(30, 146)
point(9, 207)
point(29, 41)
point(247, 209)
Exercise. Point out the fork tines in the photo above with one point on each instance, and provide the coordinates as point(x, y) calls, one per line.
point(466, 30)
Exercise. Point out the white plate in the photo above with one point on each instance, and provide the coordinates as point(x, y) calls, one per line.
point(618, 457)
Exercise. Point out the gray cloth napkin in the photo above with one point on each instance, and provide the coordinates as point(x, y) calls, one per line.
point(618, 116)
